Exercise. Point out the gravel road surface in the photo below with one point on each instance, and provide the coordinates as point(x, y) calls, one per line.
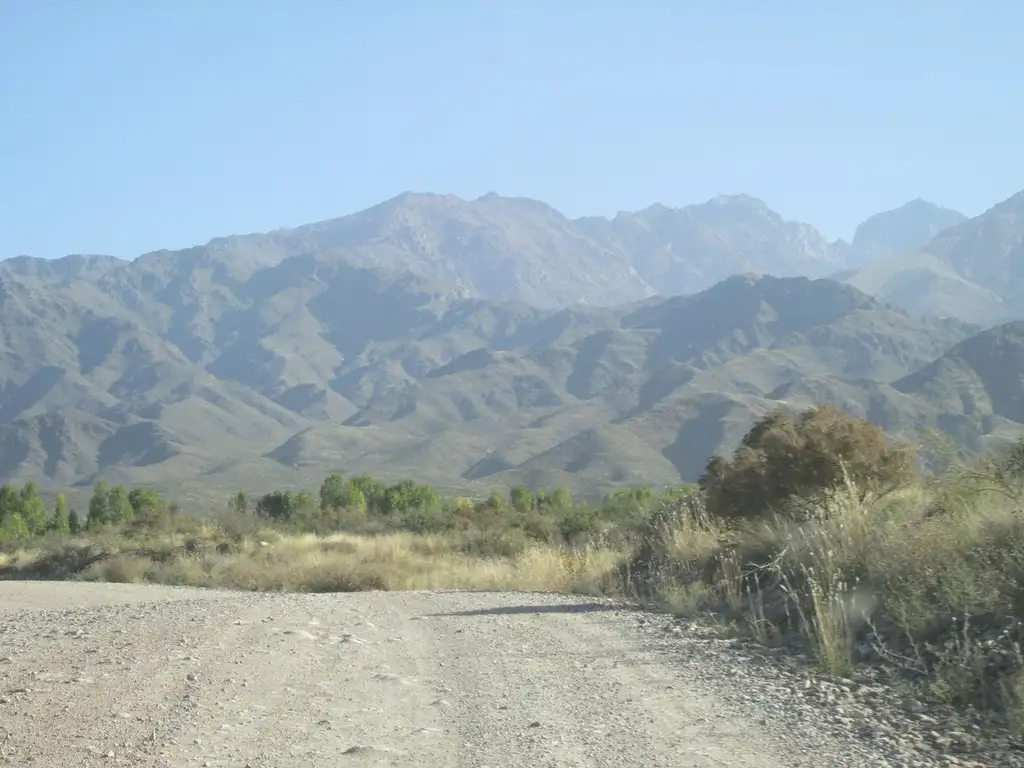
point(107, 675)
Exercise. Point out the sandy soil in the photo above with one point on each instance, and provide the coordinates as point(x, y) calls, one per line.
point(102, 674)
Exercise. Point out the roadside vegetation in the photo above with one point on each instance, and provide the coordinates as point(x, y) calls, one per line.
point(816, 532)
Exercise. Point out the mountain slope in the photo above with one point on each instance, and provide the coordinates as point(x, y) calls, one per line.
point(925, 285)
point(203, 371)
point(688, 249)
point(77, 385)
point(497, 248)
point(906, 228)
point(973, 270)
point(989, 251)
point(363, 344)
point(520, 249)
point(977, 388)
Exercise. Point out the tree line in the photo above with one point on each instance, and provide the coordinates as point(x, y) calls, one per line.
point(784, 457)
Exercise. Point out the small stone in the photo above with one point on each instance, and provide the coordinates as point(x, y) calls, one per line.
point(912, 705)
point(937, 739)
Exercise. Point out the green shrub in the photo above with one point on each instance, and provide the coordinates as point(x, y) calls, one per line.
point(787, 465)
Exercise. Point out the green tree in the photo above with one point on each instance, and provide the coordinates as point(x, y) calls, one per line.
point(146, 508)
point(32, 509)
point(400, 497)
point(577, 524)
point(630, 496)
point(14, 528)
point(424, 497)
point(74, 521)
point(61, 521)
point(521, 498)
point(98, 506)
point(278, 505)
point(143, 500)
point(349, 496)
point(352, 498)
point(10, 501)
point(495, 501)
point(333, 492)
point(373, 491)
point(561, 499)
point(119, 507)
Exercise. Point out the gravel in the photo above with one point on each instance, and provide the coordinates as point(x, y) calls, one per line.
point(106, 675)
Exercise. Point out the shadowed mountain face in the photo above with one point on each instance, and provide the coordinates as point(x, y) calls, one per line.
point(977, 388)
point(365, 344)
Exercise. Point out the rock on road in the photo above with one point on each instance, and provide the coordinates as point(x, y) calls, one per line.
point(109, 674)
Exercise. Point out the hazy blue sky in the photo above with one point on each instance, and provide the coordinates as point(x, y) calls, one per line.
point(129, 126)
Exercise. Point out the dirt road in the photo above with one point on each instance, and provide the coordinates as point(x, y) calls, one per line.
point(101, 674)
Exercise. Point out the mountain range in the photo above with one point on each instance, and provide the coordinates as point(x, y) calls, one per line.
point(481, 343)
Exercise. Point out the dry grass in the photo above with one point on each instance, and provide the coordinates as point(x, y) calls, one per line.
point(929, 578)
point(336, 563)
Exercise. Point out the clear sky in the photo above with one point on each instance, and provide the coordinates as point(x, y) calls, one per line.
point(127, 125)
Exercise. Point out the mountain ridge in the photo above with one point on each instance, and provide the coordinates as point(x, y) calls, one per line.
point(970, 270)
point(518, 248)
point(311, 365)
point(269, 360)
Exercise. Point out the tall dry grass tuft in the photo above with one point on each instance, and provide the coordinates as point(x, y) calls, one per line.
point(669, 566)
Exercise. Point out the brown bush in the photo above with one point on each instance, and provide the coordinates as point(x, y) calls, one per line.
point(785, 459)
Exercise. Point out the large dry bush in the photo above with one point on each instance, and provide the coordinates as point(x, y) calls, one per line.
point(784, 461)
